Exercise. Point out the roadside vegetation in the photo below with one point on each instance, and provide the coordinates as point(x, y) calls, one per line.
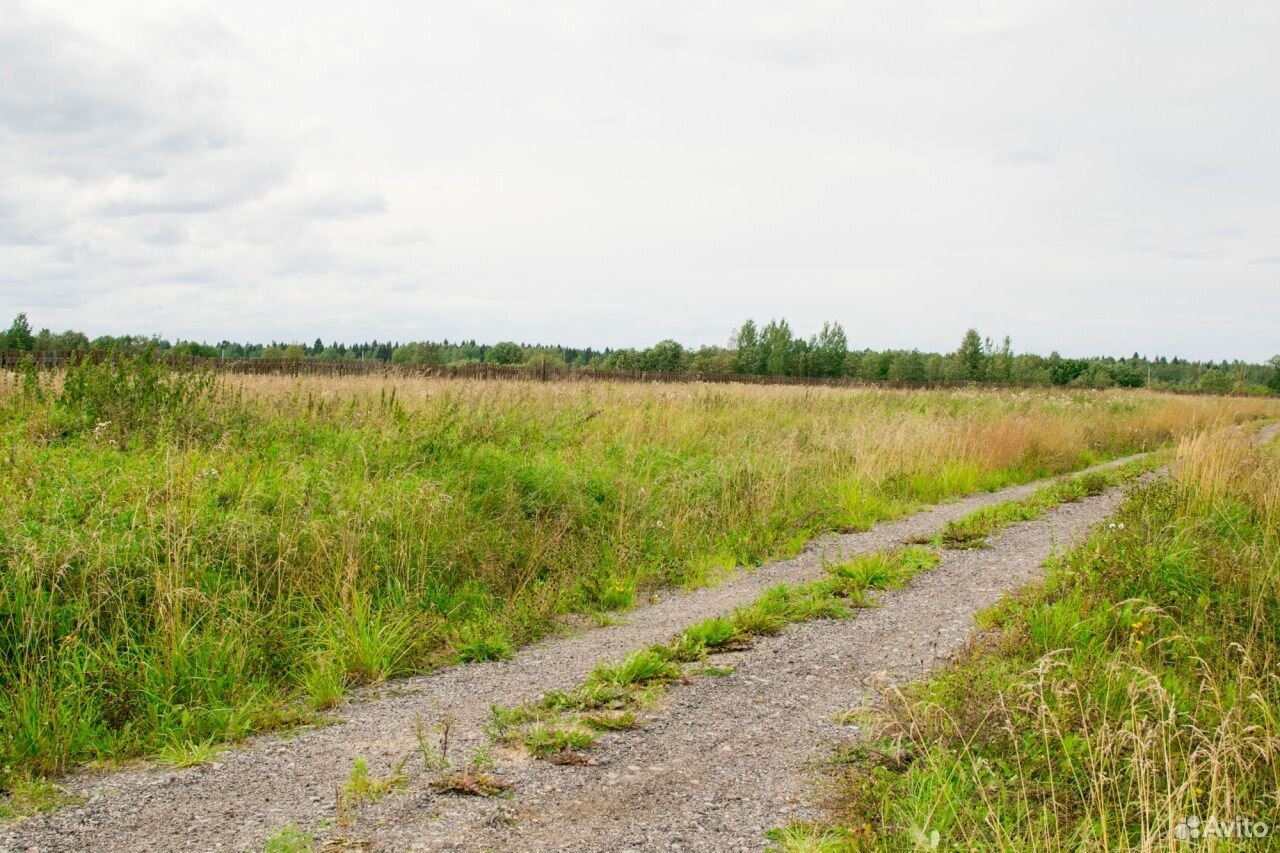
point(185, 559)
point(562, 724)
point(1124, 704)
point(972, 530)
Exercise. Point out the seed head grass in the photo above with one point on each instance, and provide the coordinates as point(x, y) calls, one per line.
point(1132, 690)
point(188, 559)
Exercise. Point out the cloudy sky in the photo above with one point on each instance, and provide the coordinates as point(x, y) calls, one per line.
point(1092, 177)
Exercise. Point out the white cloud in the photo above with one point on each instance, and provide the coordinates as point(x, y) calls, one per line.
point(1085, 176)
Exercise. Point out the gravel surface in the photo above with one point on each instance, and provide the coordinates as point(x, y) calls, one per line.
point(721, 760)
point(726, 758)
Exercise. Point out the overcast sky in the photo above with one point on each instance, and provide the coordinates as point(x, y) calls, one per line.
point(1088, 177)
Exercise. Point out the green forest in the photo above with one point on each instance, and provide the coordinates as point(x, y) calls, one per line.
point(769, 349)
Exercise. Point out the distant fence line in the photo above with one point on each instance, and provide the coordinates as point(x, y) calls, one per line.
point(12, 359)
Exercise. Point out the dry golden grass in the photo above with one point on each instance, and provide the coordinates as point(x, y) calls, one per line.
point(185, 563)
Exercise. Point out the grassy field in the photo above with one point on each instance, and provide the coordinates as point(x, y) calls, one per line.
point(1131, 700)
point(185, 560)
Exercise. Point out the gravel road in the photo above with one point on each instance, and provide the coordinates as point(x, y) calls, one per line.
point(720, 761)
point(725, 758)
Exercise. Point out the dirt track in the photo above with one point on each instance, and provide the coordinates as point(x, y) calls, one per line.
point(722, 761)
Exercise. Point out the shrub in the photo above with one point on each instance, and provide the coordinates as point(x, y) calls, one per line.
point(135, 398)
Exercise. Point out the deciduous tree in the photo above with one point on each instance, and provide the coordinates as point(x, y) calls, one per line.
point(972, 360)
point(19, 335)
point(505, 352)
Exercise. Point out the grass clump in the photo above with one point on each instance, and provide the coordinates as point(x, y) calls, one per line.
point(972, 530)
point(484, 643)
point(608, 594)
point(808, 838)
point(289, 839)
point(1135, 689)
point(190, 753)
point(716, 671)
point(361, 787)
point(636, 670)
point(323, 684)
point(26, 797)
point(612, 721)
point(779, 606)
point(547, 741)
point(609, 697)
point(758, 621)
point(713, 633)
point(884, 570)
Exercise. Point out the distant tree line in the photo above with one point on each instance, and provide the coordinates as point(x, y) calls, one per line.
point(772, 349)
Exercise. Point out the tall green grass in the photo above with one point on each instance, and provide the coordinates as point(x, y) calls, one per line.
point(1137, 689)
point(184, 561)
